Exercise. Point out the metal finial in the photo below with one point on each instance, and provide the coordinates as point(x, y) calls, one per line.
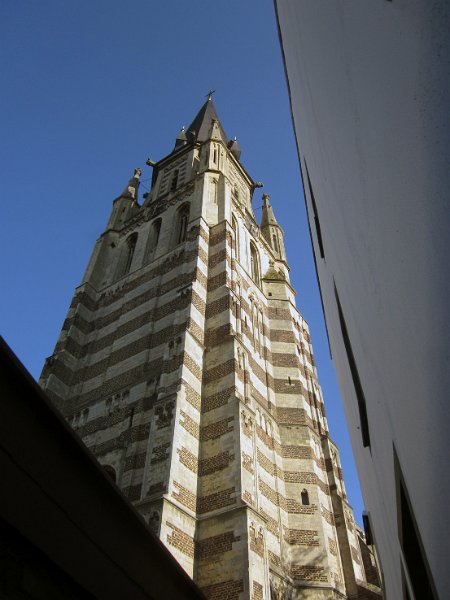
point(209, 94)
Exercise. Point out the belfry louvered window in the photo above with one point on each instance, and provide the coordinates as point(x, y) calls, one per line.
point(174, 182)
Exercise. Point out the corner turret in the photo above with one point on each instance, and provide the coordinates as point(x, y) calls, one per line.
point(100, 270)
point(234, 148)
point(181, 139)
point(271, 230)
point(126, 205)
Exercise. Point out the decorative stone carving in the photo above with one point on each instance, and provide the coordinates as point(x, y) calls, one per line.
point(155, 521)
point(247, 420)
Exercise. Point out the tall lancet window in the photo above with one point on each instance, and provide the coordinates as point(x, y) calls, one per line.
point(235, 239)
point(238, 309)
point(129, 253)
point(156, 230)
point(182, 224)
point(254, 264)
point(275, 244)
point(153, 239)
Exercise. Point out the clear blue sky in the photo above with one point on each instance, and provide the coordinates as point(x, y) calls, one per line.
point(89, 91)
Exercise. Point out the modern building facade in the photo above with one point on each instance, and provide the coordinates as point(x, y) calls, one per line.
point(186, 368)
point(66, 531)
point(370, 89)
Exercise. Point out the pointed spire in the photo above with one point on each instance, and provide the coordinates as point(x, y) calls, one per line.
point(271, 230)
point(200, 127)
point(234, 148)
point(268, 218)
point(126, 205)
point(181, 139)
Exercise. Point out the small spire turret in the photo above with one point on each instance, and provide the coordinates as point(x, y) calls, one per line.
point(126, 205)
point(234, 148)
point(271, 230)
point(181, 139)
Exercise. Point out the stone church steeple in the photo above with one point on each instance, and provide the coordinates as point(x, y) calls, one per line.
point(186, 368)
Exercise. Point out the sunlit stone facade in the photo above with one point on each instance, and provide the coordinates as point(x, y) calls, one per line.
point(186, 368)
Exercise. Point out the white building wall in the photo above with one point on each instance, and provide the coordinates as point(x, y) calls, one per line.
point(370, 91)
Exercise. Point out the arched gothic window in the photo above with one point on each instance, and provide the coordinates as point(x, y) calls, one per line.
point(235, 238)
point(214, 191)
point(256, 333)
point(130, 248)
point(153, 239)
point(305, 497)
point(259, 330)
point(275, 244)
point(255, 312)
point(245, 376)
point(182, 224)
point(156, 230)
point(238, 309)
point(254, 263)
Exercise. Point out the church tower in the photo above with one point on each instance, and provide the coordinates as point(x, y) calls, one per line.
point(187, 370)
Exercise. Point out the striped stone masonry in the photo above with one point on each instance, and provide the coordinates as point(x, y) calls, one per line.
point(186, 368)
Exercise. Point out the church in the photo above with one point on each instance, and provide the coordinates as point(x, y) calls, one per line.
point(187, 370)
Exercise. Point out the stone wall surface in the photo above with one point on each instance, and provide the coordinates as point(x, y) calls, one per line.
point(191, 377)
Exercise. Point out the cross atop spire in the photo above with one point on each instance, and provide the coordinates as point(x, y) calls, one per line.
point(209, 94)
point(200, 127)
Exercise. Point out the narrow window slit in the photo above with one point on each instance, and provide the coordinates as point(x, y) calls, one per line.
point(355, 375)
point(316, 215)
point(305, 497)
